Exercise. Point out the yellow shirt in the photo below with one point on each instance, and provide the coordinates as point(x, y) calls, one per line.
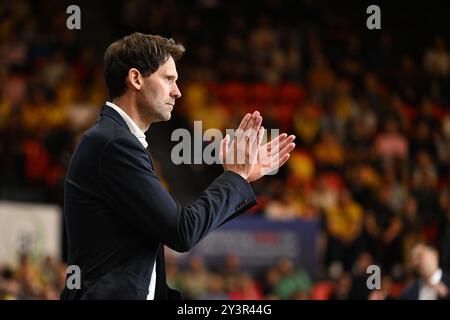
point(345, 222)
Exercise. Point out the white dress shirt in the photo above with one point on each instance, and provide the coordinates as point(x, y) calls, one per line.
point(136, 131)
point(427, 292)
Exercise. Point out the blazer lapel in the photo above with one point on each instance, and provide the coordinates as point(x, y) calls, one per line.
point(150, 158)
point(109, 112)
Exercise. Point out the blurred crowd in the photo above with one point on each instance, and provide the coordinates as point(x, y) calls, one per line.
point(371, 117)
point(32, 279)
point(43, 279)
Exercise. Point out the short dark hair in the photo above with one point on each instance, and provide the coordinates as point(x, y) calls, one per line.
point(144, 52)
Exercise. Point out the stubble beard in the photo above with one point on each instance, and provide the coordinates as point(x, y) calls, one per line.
point(154, 113)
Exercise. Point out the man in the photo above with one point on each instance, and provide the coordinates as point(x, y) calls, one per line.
point(432, 283)
point(118, 215)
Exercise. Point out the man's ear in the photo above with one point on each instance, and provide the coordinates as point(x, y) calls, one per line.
point(135, 78)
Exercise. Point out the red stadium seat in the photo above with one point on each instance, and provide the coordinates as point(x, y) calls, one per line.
point(283, 115)
point(232, 92)
point(322, 290)
point(332, 180)
point(291, 93)
point(260, 94)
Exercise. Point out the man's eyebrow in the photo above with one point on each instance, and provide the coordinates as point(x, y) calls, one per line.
point(171, 76)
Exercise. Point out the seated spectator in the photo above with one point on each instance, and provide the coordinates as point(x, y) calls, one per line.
point(342, 287)
point(359, 289)
point(269, 282)
point(390, 144)
point(10, 288)
point(423, 140)
point(293, 283)
point(384, 293)
point(307, 122)
point(431, 283)
point(284, 206)
point(425, 186)
point(424, 172)
point(395, 188)
point(328, 152)
point(383, 232)
point(411, 232)
point(437, 59)
point(215, 290)
point(344, 223)
point(247, 289)
point(231, 271)
point(195, 280)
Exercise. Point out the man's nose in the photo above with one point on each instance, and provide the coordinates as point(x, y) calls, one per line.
point(176, 93)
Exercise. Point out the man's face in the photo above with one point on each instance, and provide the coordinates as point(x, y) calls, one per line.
point(425, 260)
point(157, 97)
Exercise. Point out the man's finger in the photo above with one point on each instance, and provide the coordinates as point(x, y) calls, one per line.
point(241, 129)
point(283, 160)
point(277, 164)
point(256, 146)
point(251, 121)
point(274, 142)
point(254, 131)
point(248, 135)
point(260, 136)
point(285, 144)
point(224, 149)
point(256, 125)
point(281, 153)
point(244, 121)
point(265, 151)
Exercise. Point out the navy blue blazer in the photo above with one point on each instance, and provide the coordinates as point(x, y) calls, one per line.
point(118, 215)
point(412, 292)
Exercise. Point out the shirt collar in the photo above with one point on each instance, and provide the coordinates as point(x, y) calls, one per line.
point(135, 130)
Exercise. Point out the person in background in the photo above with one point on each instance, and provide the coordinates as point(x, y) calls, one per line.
point(431, 283)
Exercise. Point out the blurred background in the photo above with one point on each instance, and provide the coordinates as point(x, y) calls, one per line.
point(369, 177)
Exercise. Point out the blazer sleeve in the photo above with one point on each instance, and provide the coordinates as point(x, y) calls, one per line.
point(132, 189)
